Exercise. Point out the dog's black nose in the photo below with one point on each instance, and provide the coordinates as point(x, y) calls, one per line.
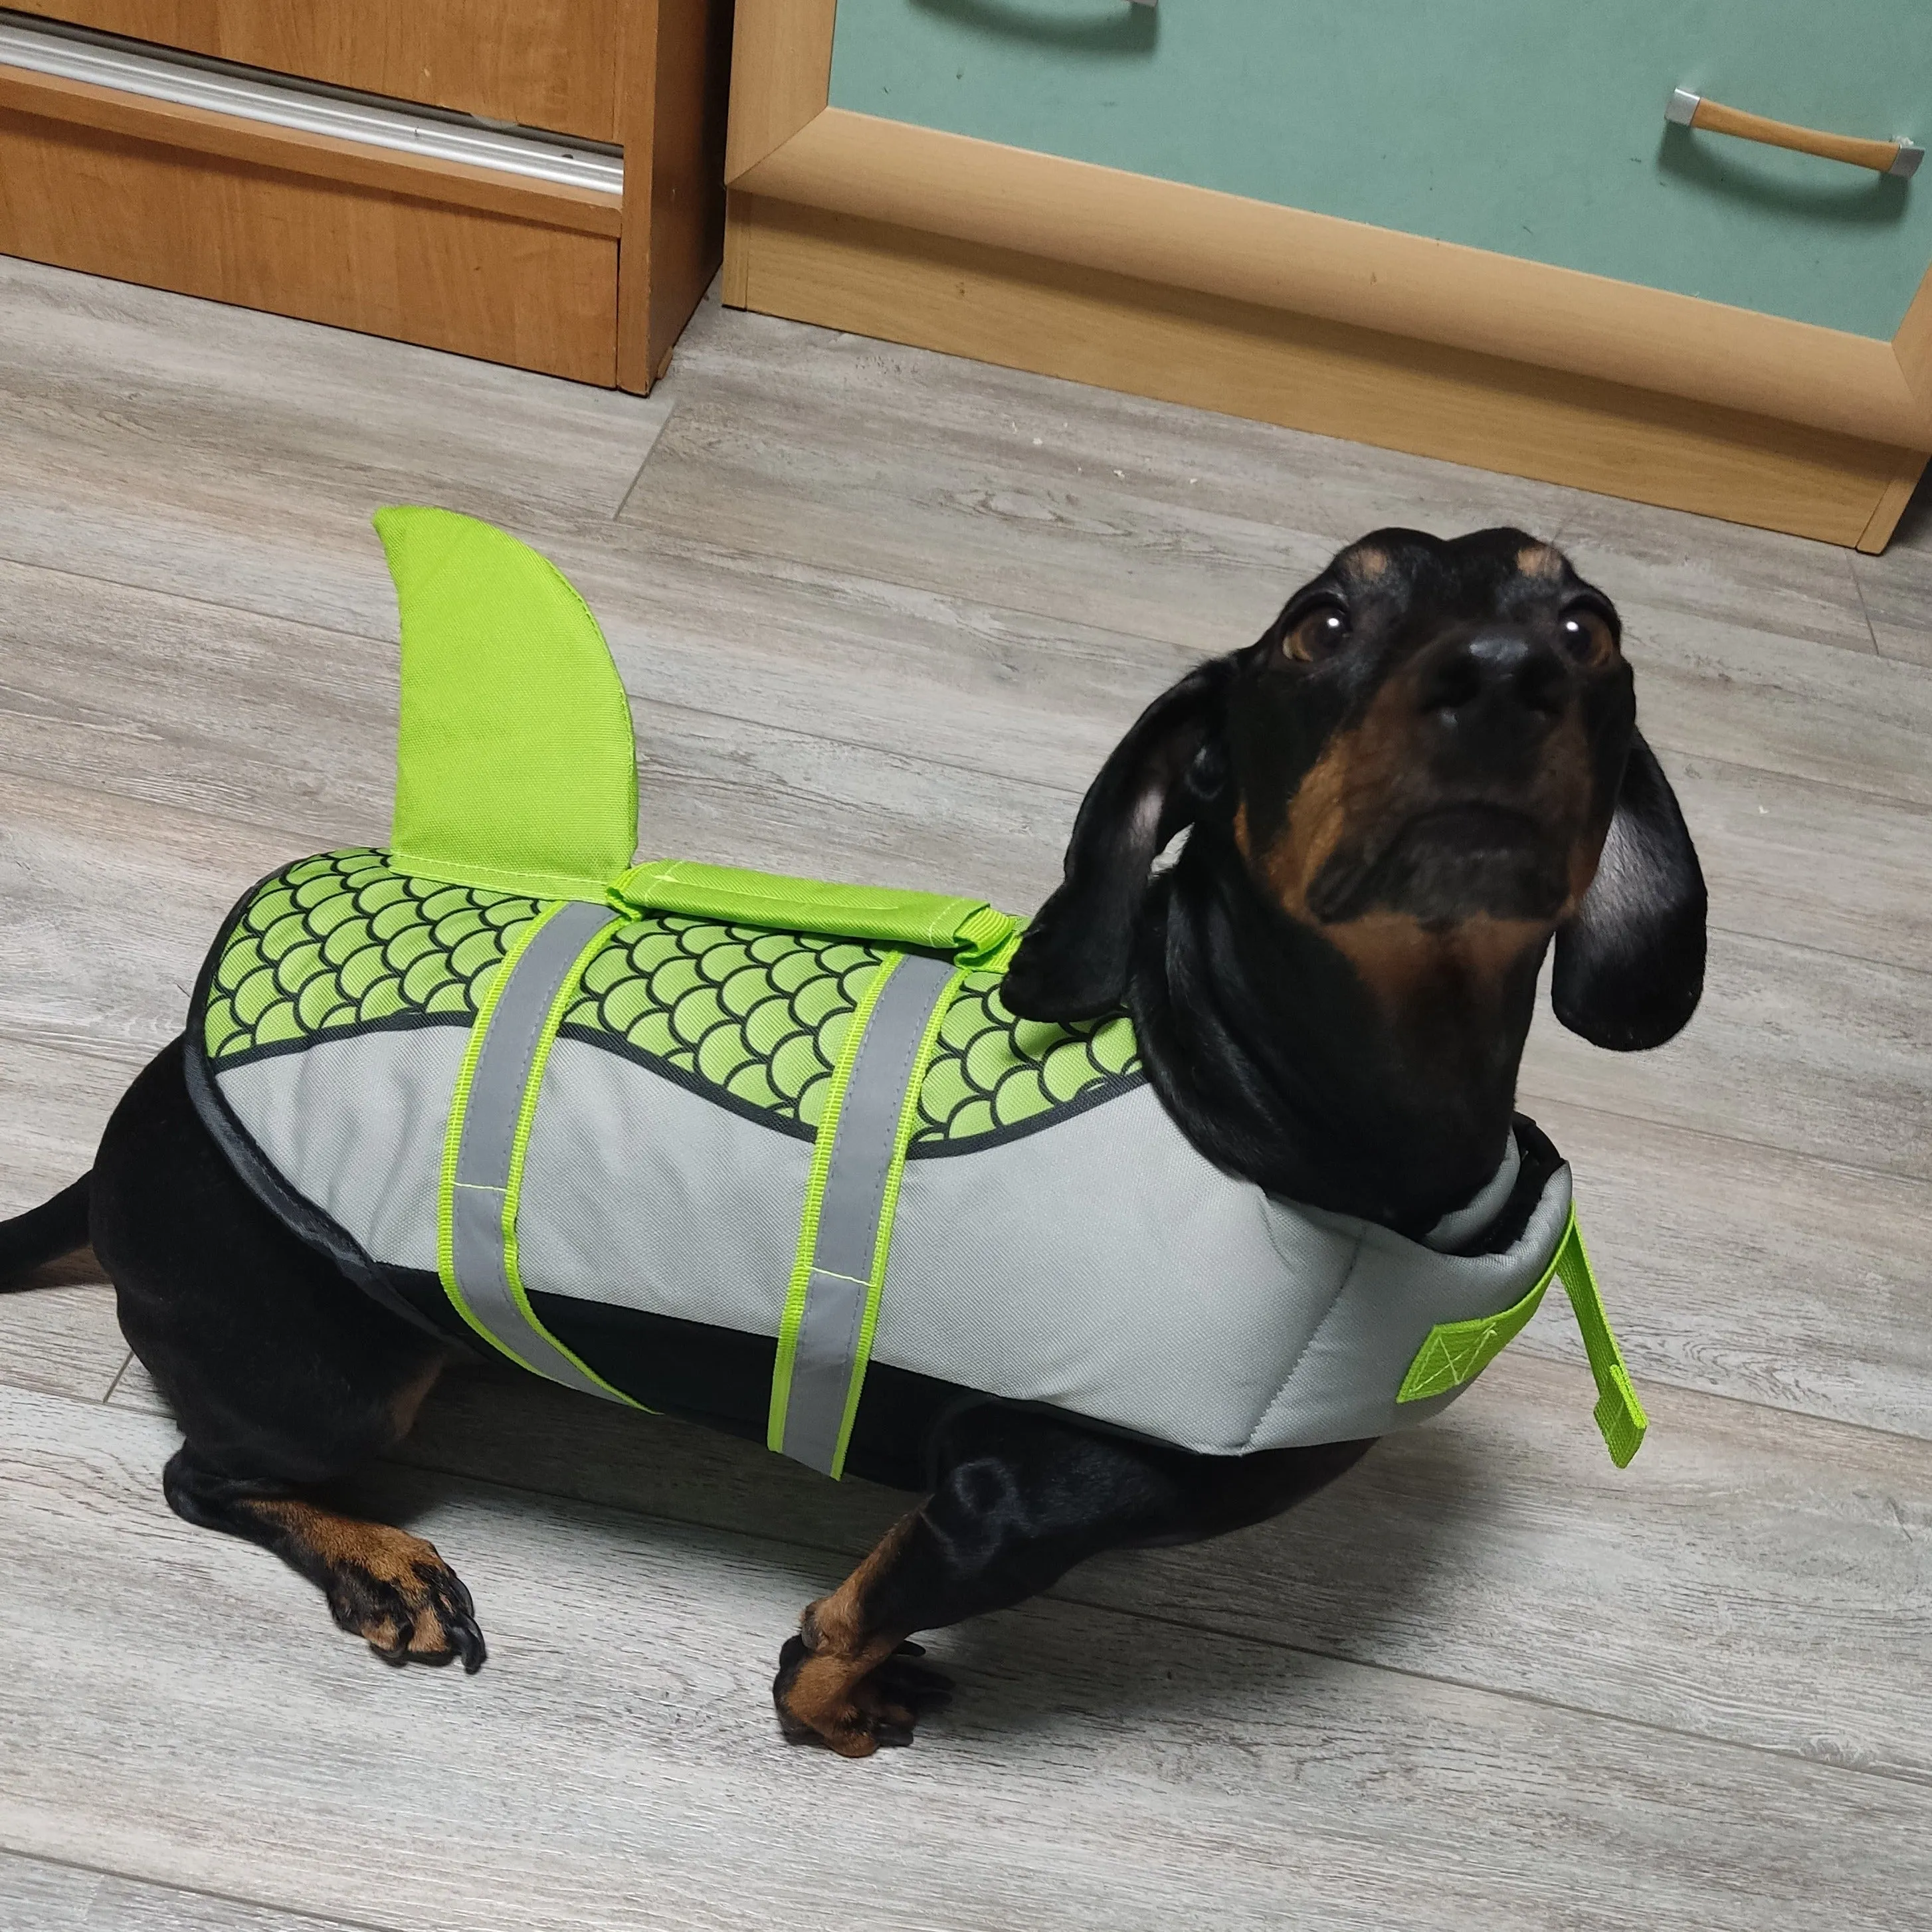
point(1497, 692)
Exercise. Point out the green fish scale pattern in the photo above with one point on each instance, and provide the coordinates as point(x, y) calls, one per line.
point(762, 1015)
point(341, 941)
point(990, 1070)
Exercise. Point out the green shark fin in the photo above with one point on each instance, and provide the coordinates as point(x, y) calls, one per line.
point(516, 767)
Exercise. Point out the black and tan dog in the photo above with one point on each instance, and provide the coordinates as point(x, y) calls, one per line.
point(1425, 771)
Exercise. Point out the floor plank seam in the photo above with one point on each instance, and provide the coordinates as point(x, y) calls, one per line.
point(1649, 1377)
point(639, 1514)
point(698, 545)
point(184, 597)
point(207, 814)
point(119, 1375)
point(104, 1048)
point(1527, 1094)
point(107, 1872)
point(1893, 801)
point(643, 462)
point(1916, 1779)
point(1865, 609)
point(90, 1046)
point(1819, 951)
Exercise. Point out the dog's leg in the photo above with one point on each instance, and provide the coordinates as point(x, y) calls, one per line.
point(1021, 1498)
point(284, 1376)
point(390, 1588)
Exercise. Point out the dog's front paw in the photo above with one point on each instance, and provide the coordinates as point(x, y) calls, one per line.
point(852, 1706)
point(406, 1604)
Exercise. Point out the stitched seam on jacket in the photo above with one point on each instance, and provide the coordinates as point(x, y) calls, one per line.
point(1328, 1314)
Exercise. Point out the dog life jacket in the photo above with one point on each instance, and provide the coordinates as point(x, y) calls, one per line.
point(500, 1051)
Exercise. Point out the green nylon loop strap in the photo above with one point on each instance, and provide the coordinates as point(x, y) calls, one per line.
point(1456, 1352)
point(974, 933)
point(1619, 1414)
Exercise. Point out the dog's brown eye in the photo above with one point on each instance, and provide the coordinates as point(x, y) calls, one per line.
point(1317, 634)
point(1587, 635)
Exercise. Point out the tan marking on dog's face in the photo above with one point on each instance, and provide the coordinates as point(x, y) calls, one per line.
point(1368, 781)
point(1368, 564)
point(1540, 559)
point(1404, 964)
point(1357, 767)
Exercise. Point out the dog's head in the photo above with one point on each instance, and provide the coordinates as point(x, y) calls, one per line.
point(1434, 740)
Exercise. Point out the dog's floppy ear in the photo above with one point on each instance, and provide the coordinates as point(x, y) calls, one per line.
point(1630, 963)
point(1073, 961)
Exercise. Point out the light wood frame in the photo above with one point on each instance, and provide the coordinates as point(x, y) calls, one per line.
point(1307, 319)
point(567, 280)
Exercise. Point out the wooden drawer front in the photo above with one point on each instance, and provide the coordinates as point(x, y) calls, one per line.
point(1505, 124)
point(428, 270)
point(551, 64)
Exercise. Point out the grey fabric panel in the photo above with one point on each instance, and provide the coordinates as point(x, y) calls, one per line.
point(1103, 1266)
point(1106, 1268)
point(1345, 1384)
point(357, 1127)
point(849, 1210)
point(639, 1192)
point(496, 1089)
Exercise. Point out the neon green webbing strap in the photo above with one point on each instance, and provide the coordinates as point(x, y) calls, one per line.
point(975, 933)
point(1619, 1414)
point(1456, 1352)
point(825, 1339)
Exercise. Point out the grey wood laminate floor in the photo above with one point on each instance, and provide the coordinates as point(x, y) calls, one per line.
point(881, 614)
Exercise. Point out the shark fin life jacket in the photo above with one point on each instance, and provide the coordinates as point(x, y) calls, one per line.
point(500, 1051)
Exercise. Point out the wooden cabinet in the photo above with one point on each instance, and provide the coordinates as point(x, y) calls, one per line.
point(540, 63)
point(1467, 231)
point(589, 276)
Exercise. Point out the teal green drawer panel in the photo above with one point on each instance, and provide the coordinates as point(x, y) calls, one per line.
point(1529, 126)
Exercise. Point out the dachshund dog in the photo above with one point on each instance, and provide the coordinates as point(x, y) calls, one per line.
point(1425, 772)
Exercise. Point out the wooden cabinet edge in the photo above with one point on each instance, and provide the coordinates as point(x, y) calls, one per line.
point(1891, 503)
point(781, 75)
point(675, 67)
point(1912, 344)
point(540, 204)
point(458, 279)
point(964, 298)
point(344, 43)
point(1345, 271)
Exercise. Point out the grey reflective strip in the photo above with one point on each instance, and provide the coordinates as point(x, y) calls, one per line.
point(496, 1088)
point(862, 1147)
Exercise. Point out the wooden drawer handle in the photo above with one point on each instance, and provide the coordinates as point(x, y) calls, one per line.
point(1885, 158)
